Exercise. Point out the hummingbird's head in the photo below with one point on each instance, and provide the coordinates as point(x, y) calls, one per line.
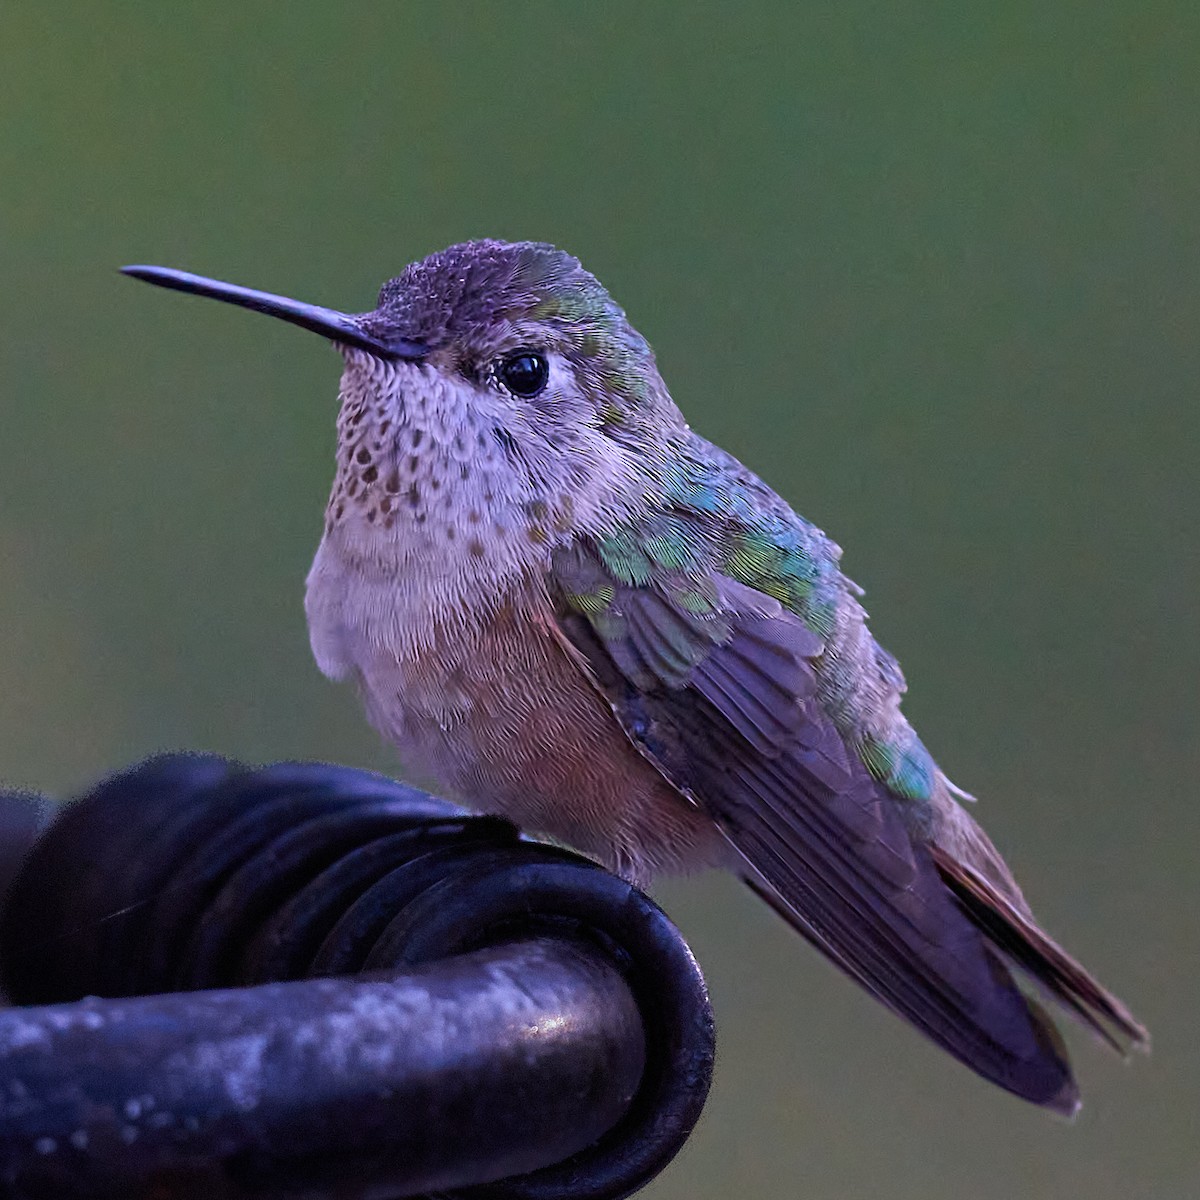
point(523, 332)
point(491, 380)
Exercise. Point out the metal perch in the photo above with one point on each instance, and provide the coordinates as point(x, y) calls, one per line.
point(309, 981)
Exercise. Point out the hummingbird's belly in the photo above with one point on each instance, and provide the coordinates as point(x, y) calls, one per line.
point(499, 716)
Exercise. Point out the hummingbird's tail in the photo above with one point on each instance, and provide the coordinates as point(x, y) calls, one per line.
point(1005, 1034)
point(1042, 1075)
point(1004, 919)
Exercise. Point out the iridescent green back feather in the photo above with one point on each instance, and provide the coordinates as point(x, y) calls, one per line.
point(715, 518)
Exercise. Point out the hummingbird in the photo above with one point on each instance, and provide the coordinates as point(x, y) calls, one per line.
point(562, 604)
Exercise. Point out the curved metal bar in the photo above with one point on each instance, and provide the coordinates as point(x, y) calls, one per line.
point(458, 1073)
point(549, 1036)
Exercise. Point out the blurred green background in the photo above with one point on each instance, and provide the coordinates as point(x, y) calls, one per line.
point(932, 272)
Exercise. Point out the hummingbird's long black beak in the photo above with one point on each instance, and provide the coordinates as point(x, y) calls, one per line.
point(338, 326)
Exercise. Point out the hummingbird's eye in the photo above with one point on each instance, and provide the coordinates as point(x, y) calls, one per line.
point(524, 373)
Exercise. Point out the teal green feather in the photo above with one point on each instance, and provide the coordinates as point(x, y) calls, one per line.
point(623, 554)
point(715, 518)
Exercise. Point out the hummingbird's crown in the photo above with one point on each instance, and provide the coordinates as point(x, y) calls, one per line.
point(470, 286)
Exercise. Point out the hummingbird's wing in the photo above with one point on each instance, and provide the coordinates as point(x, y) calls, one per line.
point(716, 683)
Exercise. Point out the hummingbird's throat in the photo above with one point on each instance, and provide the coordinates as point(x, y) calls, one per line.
point(433, 474)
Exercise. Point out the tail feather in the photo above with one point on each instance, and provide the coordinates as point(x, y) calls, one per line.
point(1013, 932)
point(1043, 1077)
